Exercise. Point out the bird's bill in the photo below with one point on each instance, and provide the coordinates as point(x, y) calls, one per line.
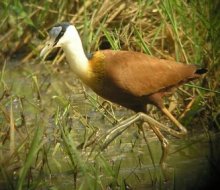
point(49, 45)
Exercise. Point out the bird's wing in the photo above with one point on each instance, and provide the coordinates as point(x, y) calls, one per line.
point(140, 74)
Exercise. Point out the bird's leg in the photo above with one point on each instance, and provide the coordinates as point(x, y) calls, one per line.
point(182, 129)
point(114, 132)
point(164, 144)
point(111, 134)
point(165, 149)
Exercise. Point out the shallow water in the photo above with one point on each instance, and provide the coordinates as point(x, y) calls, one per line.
point(191, 164)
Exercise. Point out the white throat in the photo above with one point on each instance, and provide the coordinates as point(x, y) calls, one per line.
point(73, 49)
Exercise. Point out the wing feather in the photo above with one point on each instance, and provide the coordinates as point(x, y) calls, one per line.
point(140, 74)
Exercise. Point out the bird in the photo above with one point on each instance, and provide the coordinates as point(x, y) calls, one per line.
point(127, 78)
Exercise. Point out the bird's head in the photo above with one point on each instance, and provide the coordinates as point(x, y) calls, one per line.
point(59, 36)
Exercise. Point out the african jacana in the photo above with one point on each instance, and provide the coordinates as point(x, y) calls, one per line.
point(130, 79)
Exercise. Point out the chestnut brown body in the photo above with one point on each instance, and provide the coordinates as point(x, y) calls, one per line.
point(134, 79)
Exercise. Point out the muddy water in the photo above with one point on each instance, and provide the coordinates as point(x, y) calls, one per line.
point(192, 162)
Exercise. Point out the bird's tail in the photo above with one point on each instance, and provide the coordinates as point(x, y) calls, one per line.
point(201, 71)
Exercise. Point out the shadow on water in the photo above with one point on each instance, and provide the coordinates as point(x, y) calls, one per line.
point(192, 161)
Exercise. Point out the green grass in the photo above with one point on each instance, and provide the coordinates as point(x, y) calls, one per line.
point(36, 145)
point(46, 121)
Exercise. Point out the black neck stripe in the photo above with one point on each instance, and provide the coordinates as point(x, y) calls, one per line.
point(64, 26)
